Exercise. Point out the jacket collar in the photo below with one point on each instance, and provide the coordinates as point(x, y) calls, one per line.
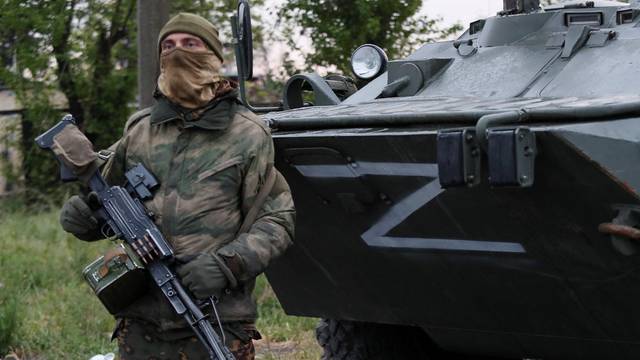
point(217, 114)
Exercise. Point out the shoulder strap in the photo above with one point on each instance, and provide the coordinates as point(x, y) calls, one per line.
point(265, 190)
point(137, 116)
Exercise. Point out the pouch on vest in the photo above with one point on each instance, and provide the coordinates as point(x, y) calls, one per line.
point(118, 278)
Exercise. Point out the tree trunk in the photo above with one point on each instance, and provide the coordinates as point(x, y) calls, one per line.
point(152, 15)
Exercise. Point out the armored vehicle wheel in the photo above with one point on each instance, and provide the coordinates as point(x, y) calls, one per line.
point(346, 340)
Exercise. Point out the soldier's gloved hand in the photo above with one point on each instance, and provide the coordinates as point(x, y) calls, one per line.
point(76, 216)
point(205, 276)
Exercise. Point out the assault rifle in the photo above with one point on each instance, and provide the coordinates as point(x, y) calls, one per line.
point(128, 219)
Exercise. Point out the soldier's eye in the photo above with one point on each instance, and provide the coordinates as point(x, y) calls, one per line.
point(167, 46)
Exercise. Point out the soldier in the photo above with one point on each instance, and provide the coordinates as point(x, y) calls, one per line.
point(211, 157)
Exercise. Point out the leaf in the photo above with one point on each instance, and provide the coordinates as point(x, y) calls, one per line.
point(337, 28)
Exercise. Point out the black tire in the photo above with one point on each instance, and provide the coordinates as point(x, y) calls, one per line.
point(346, 340)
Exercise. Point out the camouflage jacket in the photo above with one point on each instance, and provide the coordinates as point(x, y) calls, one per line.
point(209, 170)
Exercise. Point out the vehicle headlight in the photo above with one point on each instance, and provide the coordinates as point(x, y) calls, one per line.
point(368, 61)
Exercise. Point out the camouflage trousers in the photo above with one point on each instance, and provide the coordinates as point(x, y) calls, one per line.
point(138, 340)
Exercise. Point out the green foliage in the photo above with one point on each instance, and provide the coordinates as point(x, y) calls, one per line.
point(337, 27)
point(85, 49)
point(40, 269)
point(82, 48)
point(8, 320)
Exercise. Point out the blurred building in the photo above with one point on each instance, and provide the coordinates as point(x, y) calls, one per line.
point(11, 135)
point(10, 127)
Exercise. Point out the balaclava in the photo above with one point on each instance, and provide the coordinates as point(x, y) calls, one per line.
point(187, 77)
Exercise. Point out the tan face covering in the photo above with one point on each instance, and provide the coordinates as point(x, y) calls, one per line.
point(189, 78)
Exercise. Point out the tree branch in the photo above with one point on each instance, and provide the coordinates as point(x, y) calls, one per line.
point(65, 78)
point(119, 30)
point(113, 24)
point(60, 46)
point(124, 29)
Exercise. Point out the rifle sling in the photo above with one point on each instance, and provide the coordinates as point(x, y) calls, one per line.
point(265, 190)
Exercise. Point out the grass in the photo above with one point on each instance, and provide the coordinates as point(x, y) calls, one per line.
point(48, 312)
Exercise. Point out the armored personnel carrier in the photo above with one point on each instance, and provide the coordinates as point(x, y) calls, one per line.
point(480, 197)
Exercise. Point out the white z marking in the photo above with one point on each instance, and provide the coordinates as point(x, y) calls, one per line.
point(376, 235)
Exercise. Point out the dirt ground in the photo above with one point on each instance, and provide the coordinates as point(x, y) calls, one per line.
point(301, 349)
point(305, 348)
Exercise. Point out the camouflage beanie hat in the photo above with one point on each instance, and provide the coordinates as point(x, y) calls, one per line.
point(194, 25)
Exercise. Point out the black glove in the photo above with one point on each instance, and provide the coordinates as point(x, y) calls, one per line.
point(205, 276)
point(76, 217)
